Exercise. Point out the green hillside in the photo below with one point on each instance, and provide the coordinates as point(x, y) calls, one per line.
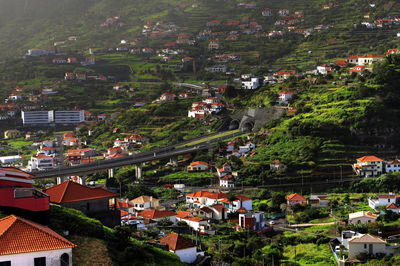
point(41, 23)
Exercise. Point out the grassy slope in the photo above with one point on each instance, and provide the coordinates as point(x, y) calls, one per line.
point(90, 251)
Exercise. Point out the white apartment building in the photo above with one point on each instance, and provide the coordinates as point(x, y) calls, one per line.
point(37, 117)
point(252, 84)
point(41, 162)
point(69, 117)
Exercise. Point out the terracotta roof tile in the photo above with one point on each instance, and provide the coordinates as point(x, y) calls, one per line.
point(295, 197)
point(155, 214)
point(370, 158)
point(176, 242)
point(18, 235)
point(70, 191)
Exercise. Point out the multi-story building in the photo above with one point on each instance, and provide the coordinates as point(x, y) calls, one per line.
point(41, 162)
point(37, 118)
point(69, 117)
point(368, 166)
point(252, 220)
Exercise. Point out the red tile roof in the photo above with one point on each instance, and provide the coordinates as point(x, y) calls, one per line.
point(183, 214)
point(70, 191)
point(370, 158)
point(18, 235)
point(219, 207)
point(199, 162)
point(155, 214)
point(176, 242)
point(206, 194)
point(392, 206)
point(295, 197)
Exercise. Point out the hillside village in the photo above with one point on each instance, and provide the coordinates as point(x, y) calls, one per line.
point(224, 139)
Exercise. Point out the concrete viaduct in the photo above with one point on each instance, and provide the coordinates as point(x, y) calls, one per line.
point(170, 152)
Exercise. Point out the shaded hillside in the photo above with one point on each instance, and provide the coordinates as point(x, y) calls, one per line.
point(40, 23)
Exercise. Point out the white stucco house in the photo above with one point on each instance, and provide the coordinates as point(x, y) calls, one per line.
point(182, 247)
point(392, 166)
point(41, 162)
point(252, 84)
point(145, 202)
point(198, 166)
point(368, 166)
point(382, 200)
point(366, 243)
point(227, 181)
point(23, 242)
point(362, 217)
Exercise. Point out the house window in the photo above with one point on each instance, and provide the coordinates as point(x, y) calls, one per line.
point(5, 263)
point(64, 259)
point(365, 246)
point(388, 200)
point(40, 261)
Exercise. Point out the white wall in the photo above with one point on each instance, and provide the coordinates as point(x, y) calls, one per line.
point(187, 255)
point(27, 259)
point(357, 248)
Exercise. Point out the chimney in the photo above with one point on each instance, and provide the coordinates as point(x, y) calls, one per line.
point(151, 201)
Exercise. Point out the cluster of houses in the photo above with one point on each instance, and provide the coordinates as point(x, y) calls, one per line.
point(360, 62)
point(90, 60)
point(26, 100)
point(234, 148)
point(380, 22)
point(353, 243)
point(372, 166)
point(209, 106)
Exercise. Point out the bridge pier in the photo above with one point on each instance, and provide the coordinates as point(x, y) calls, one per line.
point(174, 161)
point(138, 171)
point(111, 173)
point(82, 180)
point(60, 180)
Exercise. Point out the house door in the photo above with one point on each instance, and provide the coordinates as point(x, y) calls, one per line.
point(371, 249)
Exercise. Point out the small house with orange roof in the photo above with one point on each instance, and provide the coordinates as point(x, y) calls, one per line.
point(182, 247)
point(240, 202)
point(158, 216)
point(393, 207)
point(393, 51)
point(23, 242)
point(295, 198)
point(92, 201)
point(198, 166)
point(368, 166)
point(205, 197)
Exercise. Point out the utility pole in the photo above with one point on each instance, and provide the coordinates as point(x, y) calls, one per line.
point(295, 255)
point(341, 174)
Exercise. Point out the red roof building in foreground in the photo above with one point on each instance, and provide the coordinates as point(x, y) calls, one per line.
point(23, 242)
point(93, 202)
point(184, 248)
point(16, 191)
point(295, 198)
